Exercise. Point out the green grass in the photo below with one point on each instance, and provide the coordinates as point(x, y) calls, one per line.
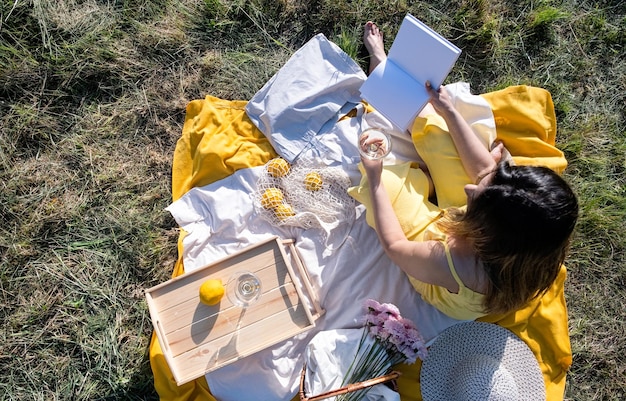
point(92, 101)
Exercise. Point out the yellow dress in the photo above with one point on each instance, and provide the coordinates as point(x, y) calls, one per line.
point(463, 305)
point(406, 185)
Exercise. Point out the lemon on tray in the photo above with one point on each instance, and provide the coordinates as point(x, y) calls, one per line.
point(271, 198)
point(211, 292)
point(278, 167)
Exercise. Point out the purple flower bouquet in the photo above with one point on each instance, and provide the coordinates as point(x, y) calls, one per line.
point(395, 340)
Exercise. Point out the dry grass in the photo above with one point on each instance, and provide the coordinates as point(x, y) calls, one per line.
point(92, 100)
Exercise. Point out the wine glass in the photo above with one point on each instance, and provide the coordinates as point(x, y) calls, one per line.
point(243, 288)
point(374, 143)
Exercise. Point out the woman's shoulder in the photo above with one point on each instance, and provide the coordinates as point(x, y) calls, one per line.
point(468, 267)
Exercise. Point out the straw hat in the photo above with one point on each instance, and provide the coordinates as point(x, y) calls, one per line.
point(477, 361)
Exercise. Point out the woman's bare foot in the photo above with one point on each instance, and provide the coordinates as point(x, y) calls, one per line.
point(373, 41)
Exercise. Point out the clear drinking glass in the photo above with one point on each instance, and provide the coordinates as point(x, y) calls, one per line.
point(374, 143)
point(243, 288)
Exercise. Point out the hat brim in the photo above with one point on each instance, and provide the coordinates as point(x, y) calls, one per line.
point(468, 340)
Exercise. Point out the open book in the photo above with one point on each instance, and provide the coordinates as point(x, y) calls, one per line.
point(396, 87)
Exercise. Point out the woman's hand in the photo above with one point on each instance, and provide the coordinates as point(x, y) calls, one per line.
point(440, 99)
point(476, 158)
point(373, 169)
point(498, 151)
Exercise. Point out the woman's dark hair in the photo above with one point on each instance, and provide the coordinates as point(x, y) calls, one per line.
point(520, 227)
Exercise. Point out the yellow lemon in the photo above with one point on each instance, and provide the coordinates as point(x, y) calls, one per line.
point(211, 292)
point(271, 198)
point(284, 211)
point(278, 167)
point(313, 181)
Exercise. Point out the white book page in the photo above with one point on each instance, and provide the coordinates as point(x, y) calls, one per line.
point(422, 52)
point(394, 94)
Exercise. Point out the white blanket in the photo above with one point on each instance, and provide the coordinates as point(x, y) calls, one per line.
point(347, 264)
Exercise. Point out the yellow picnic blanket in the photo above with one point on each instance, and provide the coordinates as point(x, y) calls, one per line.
point(218, 139)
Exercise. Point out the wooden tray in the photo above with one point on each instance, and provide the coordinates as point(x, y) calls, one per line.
point(197, 339)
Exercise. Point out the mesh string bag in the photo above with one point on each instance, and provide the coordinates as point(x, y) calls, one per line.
point(303, 195)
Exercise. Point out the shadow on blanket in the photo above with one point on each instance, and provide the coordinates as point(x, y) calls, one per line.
point(218, 139)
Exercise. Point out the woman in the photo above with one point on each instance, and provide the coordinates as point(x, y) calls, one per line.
point(501, 251)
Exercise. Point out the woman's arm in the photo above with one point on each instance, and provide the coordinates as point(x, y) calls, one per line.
point(477, 160)
point(425, 261)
